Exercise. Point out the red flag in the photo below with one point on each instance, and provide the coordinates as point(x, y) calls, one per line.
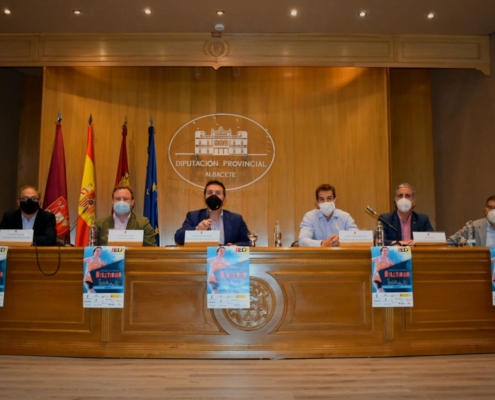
point(87, 198)
point(123, 168)
point(55, 199)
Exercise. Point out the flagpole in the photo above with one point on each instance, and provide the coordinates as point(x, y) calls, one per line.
point(151, 192)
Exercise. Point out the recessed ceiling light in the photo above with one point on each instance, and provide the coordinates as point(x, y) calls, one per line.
point(7, 11)
point(293, 12)
point(77, 12)
point(147, 11)
point(362, 14)
point(220, 12)
point(431, 15)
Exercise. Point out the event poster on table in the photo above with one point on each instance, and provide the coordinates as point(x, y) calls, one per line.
point(227, 277)
point(3, 271)
point(492, 263)
point(103, 277)
point(391, 281)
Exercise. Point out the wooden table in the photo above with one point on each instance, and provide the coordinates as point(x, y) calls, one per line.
point(304, 303)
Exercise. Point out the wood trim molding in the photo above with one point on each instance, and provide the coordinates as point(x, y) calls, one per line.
point(200, 49)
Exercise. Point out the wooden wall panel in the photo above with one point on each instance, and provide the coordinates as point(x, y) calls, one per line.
point(30, 130)
point(10, 112)
point(463, 104)
point(412, 136)
point(328, 125)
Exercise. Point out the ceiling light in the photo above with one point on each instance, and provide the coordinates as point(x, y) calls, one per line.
point(431, 15)
point(293, 13)
point(147, 11)
point(77, 12)
point(7, 11)
point(362, 14)
point(220, 12)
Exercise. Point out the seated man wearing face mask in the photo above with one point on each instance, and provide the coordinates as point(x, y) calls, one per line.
point(320, 227)
point(484, 229)
point(233, 229)
point(404, 219)
point(124, 219)
point(31, 216)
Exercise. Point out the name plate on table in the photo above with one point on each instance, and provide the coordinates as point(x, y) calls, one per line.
point(429, 238)
point(355, 238)
point(129, 238)
point(16, 237)
point(202, 238)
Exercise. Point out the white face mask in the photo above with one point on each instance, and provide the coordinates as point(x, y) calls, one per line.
point(491, 216)
point(327, 208)
point(404, 205)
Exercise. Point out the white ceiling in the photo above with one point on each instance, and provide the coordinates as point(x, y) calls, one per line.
point(463, 17)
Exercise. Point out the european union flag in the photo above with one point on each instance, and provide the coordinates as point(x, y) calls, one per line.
point(151, 193)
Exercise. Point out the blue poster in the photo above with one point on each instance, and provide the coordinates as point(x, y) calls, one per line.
point(227, 277)
point(492, 259)
point(3, 271)
point(103, 277)
point(391, 276)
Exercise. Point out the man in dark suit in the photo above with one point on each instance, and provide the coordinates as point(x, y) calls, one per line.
point(233, 229)
point(404, 219)
point(31, 216)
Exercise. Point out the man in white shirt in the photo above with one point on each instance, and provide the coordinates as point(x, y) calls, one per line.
point(320, 227)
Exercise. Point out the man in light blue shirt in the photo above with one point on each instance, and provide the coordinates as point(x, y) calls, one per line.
point(484, 229)
point(320, 227)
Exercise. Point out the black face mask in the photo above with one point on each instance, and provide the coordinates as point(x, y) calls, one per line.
point(29, 207)
point(213, 202)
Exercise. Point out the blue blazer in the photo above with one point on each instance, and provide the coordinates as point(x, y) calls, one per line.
point(234, 228)
point(419, 223)
point(45, 232)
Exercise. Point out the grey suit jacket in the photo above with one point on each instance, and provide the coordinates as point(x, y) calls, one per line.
point(460, 237)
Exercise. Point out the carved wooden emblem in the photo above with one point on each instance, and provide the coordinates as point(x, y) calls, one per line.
point(216, 47)
point(260, 312)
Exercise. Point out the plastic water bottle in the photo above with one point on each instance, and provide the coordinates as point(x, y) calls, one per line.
point(92, 235)
point(379, 235)
point(277, 235)
point(471, 242)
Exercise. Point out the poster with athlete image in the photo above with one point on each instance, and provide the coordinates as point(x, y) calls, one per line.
point(3, 271)
point(227, 277)
point(103, 277)
point(492, 258)
point(391, 276)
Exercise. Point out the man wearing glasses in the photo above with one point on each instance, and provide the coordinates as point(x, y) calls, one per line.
point(233, 229)
point(31, 216)
point(484, 229)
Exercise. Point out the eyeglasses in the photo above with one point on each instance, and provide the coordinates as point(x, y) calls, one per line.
point(26, 198)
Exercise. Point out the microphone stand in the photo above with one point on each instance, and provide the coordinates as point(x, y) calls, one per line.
point(375, 214)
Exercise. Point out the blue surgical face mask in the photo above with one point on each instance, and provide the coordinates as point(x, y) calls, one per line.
point(121, 208)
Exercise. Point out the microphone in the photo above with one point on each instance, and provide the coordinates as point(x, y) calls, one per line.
point(208, 215)
point(375, 214)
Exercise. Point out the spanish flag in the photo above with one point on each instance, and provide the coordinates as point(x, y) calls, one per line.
point(87, 198)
